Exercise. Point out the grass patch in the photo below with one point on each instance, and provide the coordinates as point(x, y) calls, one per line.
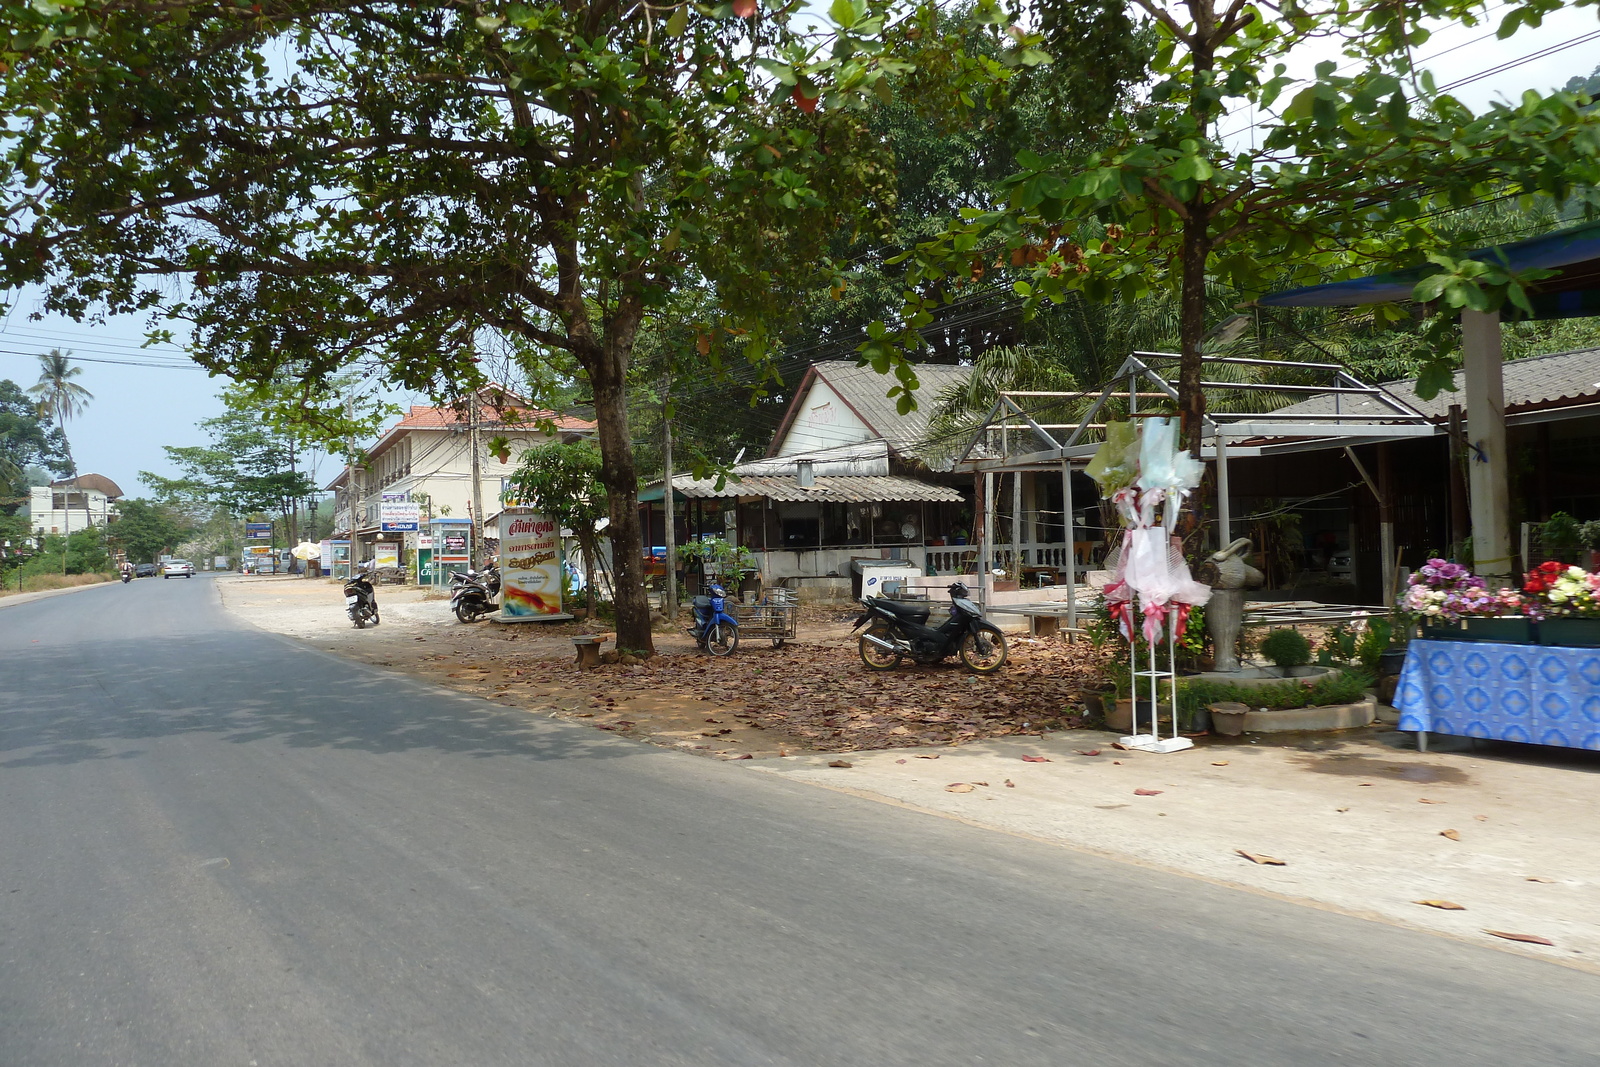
point(1341, 687)
point(38, 583)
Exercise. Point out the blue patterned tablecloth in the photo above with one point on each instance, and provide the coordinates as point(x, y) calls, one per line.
point(1530, 693)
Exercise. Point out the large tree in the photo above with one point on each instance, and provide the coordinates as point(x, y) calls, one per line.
point(1351, 168)
point(26, 439)
point(330, 177)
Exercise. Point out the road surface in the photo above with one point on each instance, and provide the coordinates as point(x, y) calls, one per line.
point(220, 847)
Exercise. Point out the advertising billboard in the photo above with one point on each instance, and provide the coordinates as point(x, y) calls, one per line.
point(530, 565)
point(397, 514)
point(258, 531)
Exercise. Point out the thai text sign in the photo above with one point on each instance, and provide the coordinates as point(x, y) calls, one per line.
point(530, 564)
point(396, 514)
point(258, 530)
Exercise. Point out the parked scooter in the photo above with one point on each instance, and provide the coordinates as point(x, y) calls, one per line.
point(473, 592)
point(900, 628)
point(360, 602)
point(714, 629)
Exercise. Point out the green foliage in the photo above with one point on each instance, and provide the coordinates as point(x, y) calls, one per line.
point(1589, 535)
point(80, 552)
point(249, 468)
point(1341, 687)
point(26, 439)
point(144, 529)
point(1337, 647)
point(1560, 532)
point(1374, 642)
point(715, 555)
point(1286, 647)
point(1342, 175)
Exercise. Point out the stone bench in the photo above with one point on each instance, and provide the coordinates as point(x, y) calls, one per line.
point(588, 649)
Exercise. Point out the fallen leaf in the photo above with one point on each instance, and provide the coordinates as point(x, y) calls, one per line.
point(1341, 809)
point(840, 763)
point(744, 755)
point(1088, 752)
point(1536, 878)
point(1454, 835)
point(980, 783)
point(1532, 939)
point(1425, 800)
point(1219, 763)
point(899, 761)
point(1119, 745)
point(1010, 784)
point(1148, 792)
point(1035, 759)
point(1255, 857)
point(1442, 905)
point(958, 787)
point(934, 756)
point(1481, 818)
point(1363, 783)
point(1117, 762)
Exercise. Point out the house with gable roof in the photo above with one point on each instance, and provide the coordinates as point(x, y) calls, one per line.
point(846, 477)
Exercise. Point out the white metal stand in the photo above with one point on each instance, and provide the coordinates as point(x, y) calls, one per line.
point(1153, 741)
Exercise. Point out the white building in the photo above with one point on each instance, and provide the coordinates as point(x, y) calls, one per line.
point(426, 457)
point(73, 504)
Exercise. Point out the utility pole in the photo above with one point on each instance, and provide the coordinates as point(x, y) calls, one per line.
point(669, 605)
point(349, 487)
point(477, 487)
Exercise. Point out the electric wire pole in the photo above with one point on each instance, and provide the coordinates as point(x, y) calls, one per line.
point(669, 603)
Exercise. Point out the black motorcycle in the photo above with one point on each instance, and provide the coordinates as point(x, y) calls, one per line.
point(472, 593)
point(360, 602)
point(900, 628)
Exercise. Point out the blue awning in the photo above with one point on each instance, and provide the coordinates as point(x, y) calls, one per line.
point(1571, 293)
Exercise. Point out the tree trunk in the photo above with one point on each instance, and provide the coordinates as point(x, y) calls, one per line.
point(1192, 326)
point(618, 473)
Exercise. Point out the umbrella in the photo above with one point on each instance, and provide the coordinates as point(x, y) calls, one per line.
point(307, 550)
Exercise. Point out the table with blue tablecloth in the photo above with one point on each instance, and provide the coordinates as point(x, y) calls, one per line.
point(1536, 694)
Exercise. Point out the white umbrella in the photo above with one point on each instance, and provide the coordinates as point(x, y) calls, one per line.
point(307, 550)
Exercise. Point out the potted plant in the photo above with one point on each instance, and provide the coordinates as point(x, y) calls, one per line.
point(1288, 650)
point(1567, 601)
point(1453, 604)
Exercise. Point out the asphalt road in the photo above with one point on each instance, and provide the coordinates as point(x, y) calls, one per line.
point(218, 847)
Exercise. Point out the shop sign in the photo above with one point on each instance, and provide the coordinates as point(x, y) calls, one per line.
point(530, 564)
point(398, 514)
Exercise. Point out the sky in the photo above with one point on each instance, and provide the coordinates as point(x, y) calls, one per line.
point(147, 398)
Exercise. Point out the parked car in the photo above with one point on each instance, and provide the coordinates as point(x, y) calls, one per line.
point(1339, 568)
point(179, 568)
point(144, 570)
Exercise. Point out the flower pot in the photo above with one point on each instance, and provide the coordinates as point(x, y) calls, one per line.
point(958, 540)
point(1227, 717)
point(1510, 629)
point(1571, 633)
point(1119, 716)
point(1391, 662)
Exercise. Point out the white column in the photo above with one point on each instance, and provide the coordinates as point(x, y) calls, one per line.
point(1486, 433)
point(1224, 506)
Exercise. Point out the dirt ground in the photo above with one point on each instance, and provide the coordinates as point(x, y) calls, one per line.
point(811, 695)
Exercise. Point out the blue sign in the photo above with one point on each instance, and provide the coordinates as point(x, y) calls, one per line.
point(258, 530)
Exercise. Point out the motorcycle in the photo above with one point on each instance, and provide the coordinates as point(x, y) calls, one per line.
point(472, 593)
point(898, 629)
point(127, 576)
point(714, 629)
point(360, 602)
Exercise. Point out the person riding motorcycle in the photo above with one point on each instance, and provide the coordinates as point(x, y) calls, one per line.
point(127, 571)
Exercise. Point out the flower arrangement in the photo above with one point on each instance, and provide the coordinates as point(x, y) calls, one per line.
point(1450, 592)
point(1556, 589)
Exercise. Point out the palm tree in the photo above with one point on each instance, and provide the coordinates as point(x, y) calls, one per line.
point(61, 398)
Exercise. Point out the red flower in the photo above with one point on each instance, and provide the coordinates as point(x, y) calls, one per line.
point(1534, 584)
point(1551, 569)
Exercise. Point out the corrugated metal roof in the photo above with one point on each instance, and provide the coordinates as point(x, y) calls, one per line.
point(866, 391)
point(1531, 384)
point(864, 489)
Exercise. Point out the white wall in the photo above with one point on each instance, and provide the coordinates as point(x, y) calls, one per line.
point(824, 421)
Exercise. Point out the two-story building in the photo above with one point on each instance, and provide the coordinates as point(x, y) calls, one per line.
point(426, 458)
point(73, 504)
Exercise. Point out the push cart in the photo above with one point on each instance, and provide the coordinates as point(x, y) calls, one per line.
point(772, 618)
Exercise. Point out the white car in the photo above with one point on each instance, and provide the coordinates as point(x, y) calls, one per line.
point(179, 568)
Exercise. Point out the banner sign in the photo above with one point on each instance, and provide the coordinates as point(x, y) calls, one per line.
point(452, 547)
point(530, 564)
point(396, 514)
point(258, 530)
point(386, 554)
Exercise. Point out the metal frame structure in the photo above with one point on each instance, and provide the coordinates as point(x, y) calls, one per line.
point(1224, 434)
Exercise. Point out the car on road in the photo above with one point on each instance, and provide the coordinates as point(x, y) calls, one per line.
point(144, 570)
point(177, 568)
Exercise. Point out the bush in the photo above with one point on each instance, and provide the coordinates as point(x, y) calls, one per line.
point(1338, 647)
point(1341, 687)
point(1373, 644)
point(1286, 647)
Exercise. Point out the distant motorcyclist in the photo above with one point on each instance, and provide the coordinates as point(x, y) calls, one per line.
point(127, 571)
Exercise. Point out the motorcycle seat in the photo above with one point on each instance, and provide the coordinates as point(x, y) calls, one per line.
point(916, 611)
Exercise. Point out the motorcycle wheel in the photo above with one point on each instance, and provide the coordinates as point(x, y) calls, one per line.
point(360, 620)
point(465, 613)
point(876, 657)
point(983, 652)
point(722, 640)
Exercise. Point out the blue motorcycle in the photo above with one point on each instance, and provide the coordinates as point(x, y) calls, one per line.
point(714, 629)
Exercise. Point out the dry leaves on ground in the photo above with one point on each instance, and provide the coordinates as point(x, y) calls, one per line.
point(1454, 835)
point(823, 696)
point(959, 787)
point(1266, 861)
point(1531, 939)
point(1148, 792)
point(1442, 905)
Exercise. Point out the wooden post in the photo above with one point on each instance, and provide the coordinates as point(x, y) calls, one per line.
point(1386, 522)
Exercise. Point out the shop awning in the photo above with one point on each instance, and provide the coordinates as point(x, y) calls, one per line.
point(848, 489)
point(1574, 291)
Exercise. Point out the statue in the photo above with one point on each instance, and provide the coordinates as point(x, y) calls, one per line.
point(1228, 575)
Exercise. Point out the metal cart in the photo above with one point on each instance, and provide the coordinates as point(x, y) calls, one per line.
point(773, 618)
